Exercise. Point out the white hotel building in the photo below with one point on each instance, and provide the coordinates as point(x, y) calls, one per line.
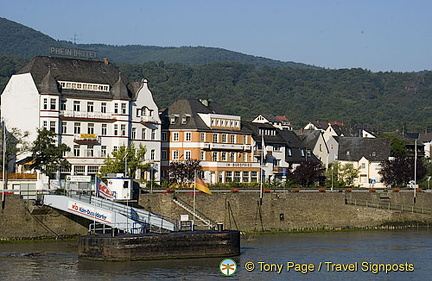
point(91, 107)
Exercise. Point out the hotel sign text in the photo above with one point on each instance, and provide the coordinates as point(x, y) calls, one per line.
point(75, 53)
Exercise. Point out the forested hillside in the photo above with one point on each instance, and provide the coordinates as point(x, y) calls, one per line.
point(353, 96)
point(19, 40)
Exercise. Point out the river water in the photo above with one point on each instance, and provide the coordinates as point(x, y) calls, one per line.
point(362, 255)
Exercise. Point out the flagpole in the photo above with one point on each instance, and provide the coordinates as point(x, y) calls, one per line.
point(261, 169)
point(194, 193)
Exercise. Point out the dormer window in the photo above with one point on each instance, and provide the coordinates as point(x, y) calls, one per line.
point(185, 118)
point(173, 118)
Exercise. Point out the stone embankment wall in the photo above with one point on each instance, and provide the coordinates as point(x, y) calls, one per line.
point(237, 211)
point(20, 219)
point(293, 211)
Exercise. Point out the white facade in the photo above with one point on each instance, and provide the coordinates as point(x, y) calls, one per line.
point(90, 119)
point(369, 176)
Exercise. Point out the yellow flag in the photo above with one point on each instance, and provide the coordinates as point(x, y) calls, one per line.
point(201, 186)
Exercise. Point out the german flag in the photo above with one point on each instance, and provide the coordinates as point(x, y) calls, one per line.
point(201, 186)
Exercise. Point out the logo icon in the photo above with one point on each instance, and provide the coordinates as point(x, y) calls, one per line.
point(228, 267)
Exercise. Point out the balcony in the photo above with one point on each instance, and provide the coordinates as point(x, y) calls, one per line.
point(148, 120)
point(227, 146)
point(86, 138)
point(86, 115)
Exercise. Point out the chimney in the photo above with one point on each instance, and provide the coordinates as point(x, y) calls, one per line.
point(106, 61)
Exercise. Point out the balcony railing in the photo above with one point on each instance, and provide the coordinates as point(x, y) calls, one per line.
point(227, 146)
point(148, 120)
point(86, 115)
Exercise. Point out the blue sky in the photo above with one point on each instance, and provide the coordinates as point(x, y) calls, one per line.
point(378, 35)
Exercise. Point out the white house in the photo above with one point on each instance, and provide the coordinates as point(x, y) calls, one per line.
point(89, 104)
point(366, 154)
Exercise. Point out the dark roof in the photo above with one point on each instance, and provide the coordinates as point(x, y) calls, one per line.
point(268, 139)
point(310, 137)
point(185, 113)
point(354, 148)
point(44, 69)
point(320, 124)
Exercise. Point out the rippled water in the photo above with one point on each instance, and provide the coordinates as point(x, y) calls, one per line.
point(59, 261)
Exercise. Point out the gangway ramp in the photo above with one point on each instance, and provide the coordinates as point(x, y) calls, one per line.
point(115, 215)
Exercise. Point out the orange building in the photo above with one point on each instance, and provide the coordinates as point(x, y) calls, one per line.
point(201, 130)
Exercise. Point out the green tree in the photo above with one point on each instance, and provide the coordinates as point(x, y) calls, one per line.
point(16, 144)
point(398, 147)
point(348, 173)
point(333, 178)
point(125, 158)
point(47, 154)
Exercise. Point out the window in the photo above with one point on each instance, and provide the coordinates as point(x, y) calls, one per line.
point(363, 165)
point(228, 176)
point(187, 154)
point(224, 138)
point(76, 150)
point(103, 107)
point(164, 155)
point(232, 156)
point(143, 133)
point(123, 108)
point(202, 137)
point(202, 155)
point(90, 128)
point(115, 129)
point(276, 147)
point(45, 124)
point(104, 129)
point(175, 155)
point(63, 105)
point(79, 170)
point(164, 136)
point(233, 138)
point(103, 151)
point(215, 138)
point(53, 104)
point(215, 156)
point(52, 126)
point(133, 133)
point(254, 176)
point(123, 129)
point(90, 106)
point(92, 169)
point(116, 108)
point(76, 106)
point(245, 139)
point(175, 136)
point(245, 176)
point(223, 156)
point(245, 157)
point(153, 134)
point(237, 176)
point(90, 149)
point(188, 136)
point(64, 127)
point(77, 128)
point(289, 151)
point(115, 148)
point(152, 154)
point(45, 103)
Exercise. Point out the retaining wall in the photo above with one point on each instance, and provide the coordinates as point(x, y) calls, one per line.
point(292, 211)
